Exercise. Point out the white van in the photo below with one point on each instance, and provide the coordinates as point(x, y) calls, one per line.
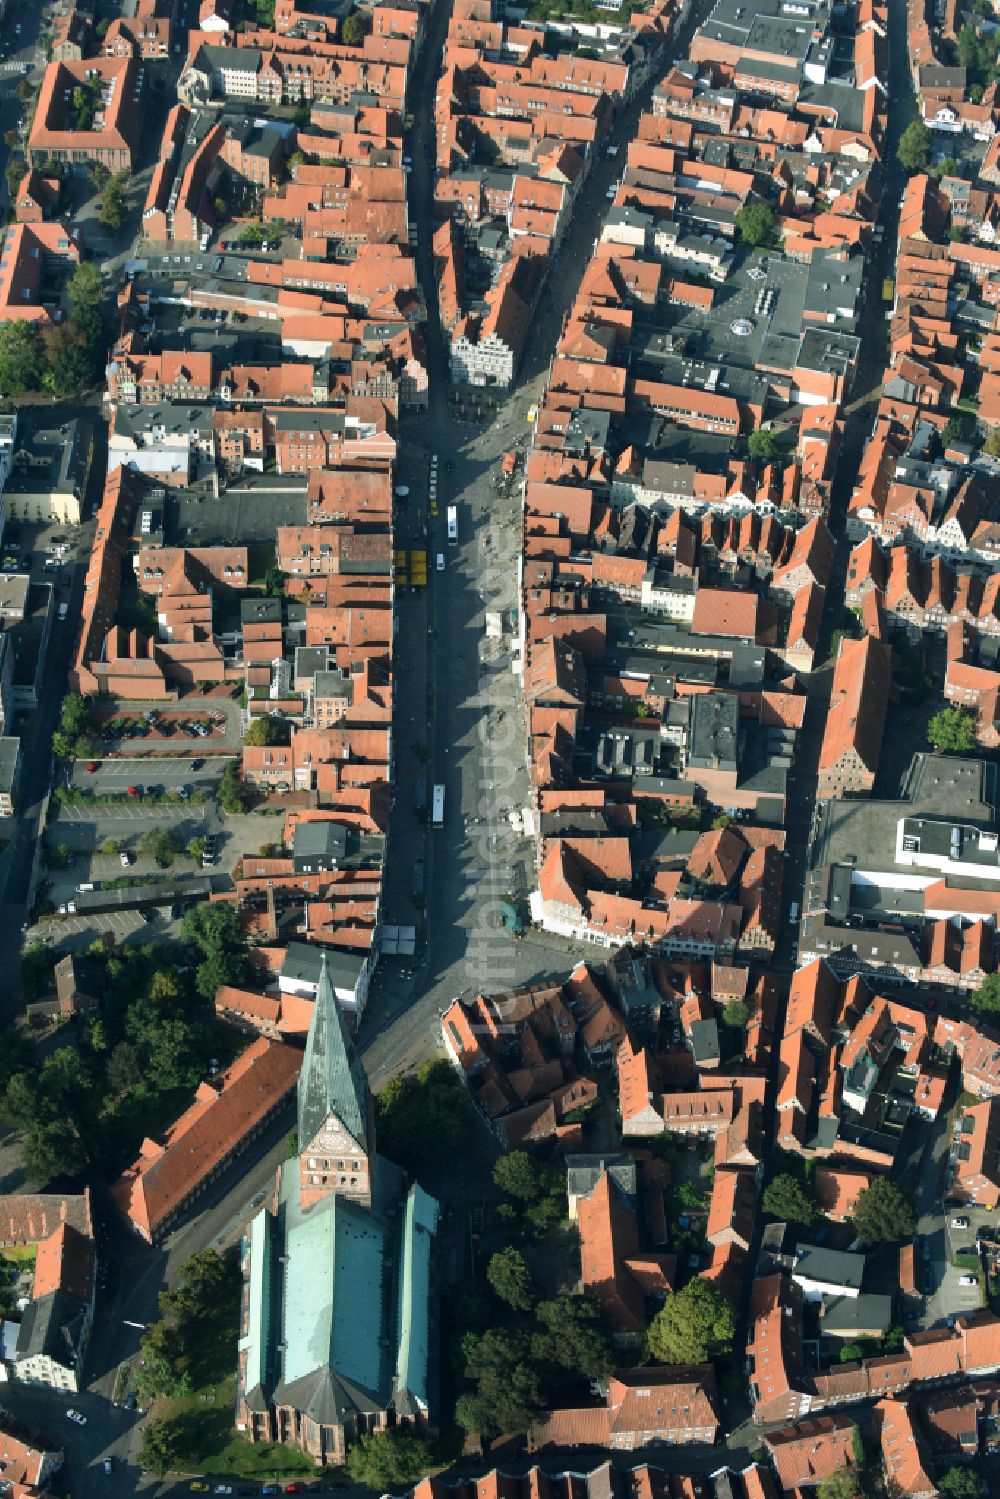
point(793, 911)
point(63, 610)
point(440, 562)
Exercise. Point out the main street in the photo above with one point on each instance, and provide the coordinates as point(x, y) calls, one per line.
point(459, 721)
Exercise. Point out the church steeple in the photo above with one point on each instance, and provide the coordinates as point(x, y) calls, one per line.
point(336, 1110)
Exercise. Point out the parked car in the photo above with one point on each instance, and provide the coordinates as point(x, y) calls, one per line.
point(959, 1222)
point(107, 1465)
point(77, 1417)
point(967, 1280)
point(92, 766)
point(125, 858)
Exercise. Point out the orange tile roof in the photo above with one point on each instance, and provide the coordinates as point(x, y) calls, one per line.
point(807, 1453)
point(213, 1129)
point(65, 1262)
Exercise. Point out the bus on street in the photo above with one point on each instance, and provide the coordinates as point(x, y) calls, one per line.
point(452, 522)
point(437, 807)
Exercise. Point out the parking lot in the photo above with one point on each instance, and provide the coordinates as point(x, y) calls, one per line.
point(945, 1295)
point(195, 728)
point(81, 831)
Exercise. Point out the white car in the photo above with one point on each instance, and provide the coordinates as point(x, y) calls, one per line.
point(959, 1222)
point(76, 1416)
point(967, 1280)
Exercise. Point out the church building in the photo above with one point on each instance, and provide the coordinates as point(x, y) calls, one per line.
point(337, 1271)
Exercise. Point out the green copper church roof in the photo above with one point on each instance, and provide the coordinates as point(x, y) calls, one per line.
point(332, 1080)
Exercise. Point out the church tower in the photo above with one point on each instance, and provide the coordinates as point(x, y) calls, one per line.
point(336, 1109)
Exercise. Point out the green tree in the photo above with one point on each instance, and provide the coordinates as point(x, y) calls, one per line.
point(992, 442)
point(953, 731)
point(161, 1347)
point(232, 798)
point(54, 1149)
point(85, 288)
point(986, 999)
point(71, 363)
point(74, 713)
point(508, 1274)
point(893, 1340)
point(266, 730)
point(509, 1390)
point(161, 844)
point(37, 964)
point(203, 1276)
point(114, 203)
point(214, 971)
point(735, 1014)
point(694, 1324)
point(161, 1447)
point(212, 926)
point(517, 1174)
point(21, 359)
point(851, 1353)
point(63, 746)
point(883, 1213)
point(960, 1483)
point(381, 1459)
point(124, 1071)
point(422, 1118)
point(840, 1485)
point(787, 1199)
point(354, 30)
point(762, 445)
point(572, 1337)
point(755, 225)
point(110, 848)
point(914, 149)
point(956, 429)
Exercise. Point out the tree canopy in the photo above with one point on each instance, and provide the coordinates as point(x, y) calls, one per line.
point(884, 1213)
point(393, 1457)
point(755, 225)
point(953, 731)
point(508, 1274)
point(762, 445)
point(694, 1324)
point(914, 147)
point(114, 203)
point(22, 361)
point(422, 1117)
point(960, 1483)
point(735, 1014)
point(519, 1175)
point(986, 999)
point(508, 1385)
point(266, 730)
point(354, 30)
point(843, 1484)
point(786, 1198)
point(572, 1337)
